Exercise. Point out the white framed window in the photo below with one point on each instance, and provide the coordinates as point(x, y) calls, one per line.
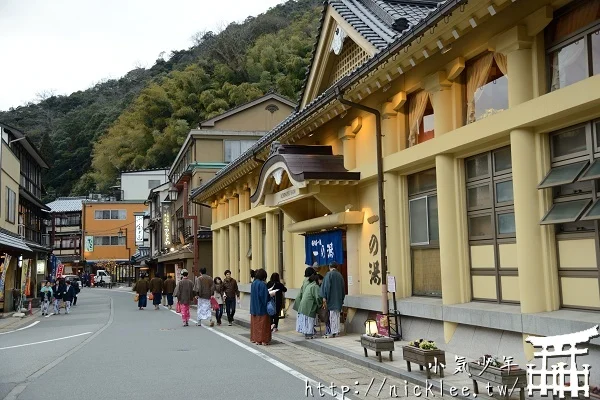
point(235, 148)
point(109, 241)
point(152, 183)
point(110, 214)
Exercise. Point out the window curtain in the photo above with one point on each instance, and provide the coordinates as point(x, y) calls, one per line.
point(502, 63)
point(477, 76)
point(416, 111)
point(586, 13)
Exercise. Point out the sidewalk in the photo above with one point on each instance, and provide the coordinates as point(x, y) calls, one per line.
point(347, 347)
point(9, 323)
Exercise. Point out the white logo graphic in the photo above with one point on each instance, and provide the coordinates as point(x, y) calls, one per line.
point(554, 379)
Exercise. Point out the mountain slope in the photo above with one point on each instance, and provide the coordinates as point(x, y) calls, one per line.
point(141, 119)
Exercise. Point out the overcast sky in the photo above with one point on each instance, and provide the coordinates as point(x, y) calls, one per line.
point(69, 45)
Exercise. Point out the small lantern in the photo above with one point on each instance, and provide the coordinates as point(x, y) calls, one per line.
point(371, 327)
point(173, 192)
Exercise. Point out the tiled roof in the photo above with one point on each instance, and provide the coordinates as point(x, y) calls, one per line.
point(66, 204)
point(443, 8)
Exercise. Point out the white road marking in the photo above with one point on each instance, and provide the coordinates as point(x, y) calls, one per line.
point(278, 364)
point(44, 341)
point(49, 315)
point(20, 329)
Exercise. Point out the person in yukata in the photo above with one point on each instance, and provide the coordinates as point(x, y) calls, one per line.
point(68, 296)
point(184, 291)
point(204, 288)
point(168, 289)
point(333, 293)
point(46, 297)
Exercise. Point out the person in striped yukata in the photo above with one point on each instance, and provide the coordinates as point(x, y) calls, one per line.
point(333, 293)
point(46, 297)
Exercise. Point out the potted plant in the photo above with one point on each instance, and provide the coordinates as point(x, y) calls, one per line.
point(424, 353)
point(490, 369)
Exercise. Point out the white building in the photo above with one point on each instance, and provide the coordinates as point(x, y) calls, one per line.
point(136, 185)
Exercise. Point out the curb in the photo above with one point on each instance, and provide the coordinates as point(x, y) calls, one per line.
point(374, 365)
point(381, 367)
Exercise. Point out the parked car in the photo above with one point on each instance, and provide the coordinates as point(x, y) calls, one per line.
point(74, 279)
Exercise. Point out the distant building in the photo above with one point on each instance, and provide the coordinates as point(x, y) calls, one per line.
point(217, 142)
point(109, 236)
point(135, 185)
point(64, 232)
point(23, 217)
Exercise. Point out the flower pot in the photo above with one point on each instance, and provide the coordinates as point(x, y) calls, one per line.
point(425, 358)
point(511, 377)
point(377, 344)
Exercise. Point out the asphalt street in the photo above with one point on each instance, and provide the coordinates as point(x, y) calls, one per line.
point(106, 348)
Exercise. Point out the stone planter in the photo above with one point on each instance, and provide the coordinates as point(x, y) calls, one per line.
point(377, 344)
point(499, 377)
point(424, 358)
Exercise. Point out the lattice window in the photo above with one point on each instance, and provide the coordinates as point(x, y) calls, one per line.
point(352, 56)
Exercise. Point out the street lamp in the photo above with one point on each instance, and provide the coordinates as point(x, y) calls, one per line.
point(173, 193)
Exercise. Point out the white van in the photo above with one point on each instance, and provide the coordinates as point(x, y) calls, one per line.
point(102, 278)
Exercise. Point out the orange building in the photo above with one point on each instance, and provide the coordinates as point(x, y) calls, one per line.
point(110, 235)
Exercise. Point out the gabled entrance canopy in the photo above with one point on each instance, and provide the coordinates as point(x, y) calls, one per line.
point(302, 174)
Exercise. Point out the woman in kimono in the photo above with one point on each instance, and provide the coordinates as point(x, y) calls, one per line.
point(260, 323)
point(310, 302)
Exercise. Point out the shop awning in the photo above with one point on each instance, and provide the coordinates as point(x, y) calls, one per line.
point(11, 241)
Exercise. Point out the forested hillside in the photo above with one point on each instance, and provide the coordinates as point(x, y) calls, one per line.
point(141, 120)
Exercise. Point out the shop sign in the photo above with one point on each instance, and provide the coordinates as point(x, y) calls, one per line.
point(40, 267)
point(4, 263)
point(324, 248)
point(166, 222)
point(374, 265)
point(139, 230)
point(286, 195)
point(89, 244)
point(391, 284)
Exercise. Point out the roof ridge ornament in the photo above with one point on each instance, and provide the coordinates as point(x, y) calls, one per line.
point(274, 148)
point(338, 40)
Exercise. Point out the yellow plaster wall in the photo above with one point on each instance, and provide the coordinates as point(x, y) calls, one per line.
point(366, 150)
point(256, 118)
point(209, 150)
point(299, 266)
point(510, 288)
point(508, 255)
point(482, 256)
point(580, 292)
point(578, 254)
point(484, 287)
point(368, 203)
point(11, 172)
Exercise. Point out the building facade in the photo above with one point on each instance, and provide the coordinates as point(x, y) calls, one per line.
point(65, 232)
point(135, 185)
point(185, 226)
point(23, 214)
point(468, 131)
point(109, 236)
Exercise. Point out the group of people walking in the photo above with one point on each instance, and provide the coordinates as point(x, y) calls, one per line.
point(60, 293)
point(209, 295)
point(319, 297)
point(157, 287)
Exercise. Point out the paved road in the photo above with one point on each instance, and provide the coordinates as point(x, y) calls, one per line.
point(123, 353)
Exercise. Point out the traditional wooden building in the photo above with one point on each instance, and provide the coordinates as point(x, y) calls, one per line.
point(468, 136)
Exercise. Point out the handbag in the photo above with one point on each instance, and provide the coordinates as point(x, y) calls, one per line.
point(178, 308)
point(136, 298)
point(150, 296)
point(214, 303)
point(272, 307)
point(323, 314)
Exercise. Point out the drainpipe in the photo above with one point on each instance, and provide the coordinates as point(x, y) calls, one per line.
point(382, 223)
point(195, 219)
